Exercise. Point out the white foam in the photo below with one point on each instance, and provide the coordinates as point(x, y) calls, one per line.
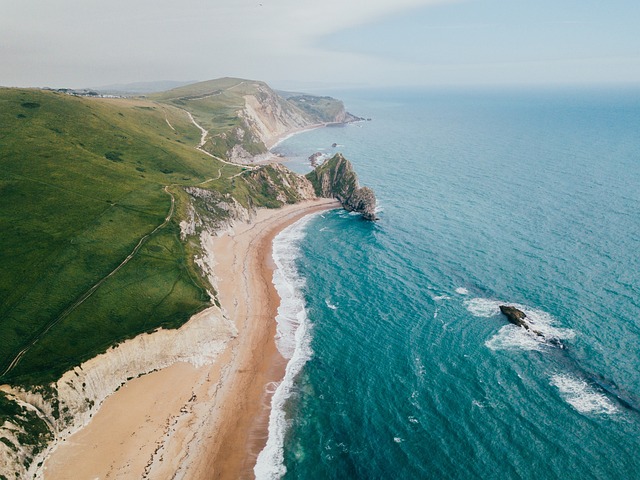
point(510, 337)
point(330, 305)
point(478, 404)
point(582, 396)
point(293, 340)
point(462, 291)
point(441, 297)
point(483, 307)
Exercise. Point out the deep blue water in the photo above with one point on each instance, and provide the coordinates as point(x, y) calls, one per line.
point(527, 198)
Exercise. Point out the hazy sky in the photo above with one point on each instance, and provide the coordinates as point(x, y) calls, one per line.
point(80, 43)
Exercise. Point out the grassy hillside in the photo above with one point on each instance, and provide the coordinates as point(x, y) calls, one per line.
point(216, 104)
point(82, 181)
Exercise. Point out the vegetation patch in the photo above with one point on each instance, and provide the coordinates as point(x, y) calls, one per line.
point(30, 429)
point(70, 219)
point(114, 156)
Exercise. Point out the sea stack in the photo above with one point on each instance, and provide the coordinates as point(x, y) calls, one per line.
point(514, 315)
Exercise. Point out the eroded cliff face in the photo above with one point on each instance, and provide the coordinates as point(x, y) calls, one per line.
point(68, 404)
point(267, 116)
point(336, 178)
point(278, 185)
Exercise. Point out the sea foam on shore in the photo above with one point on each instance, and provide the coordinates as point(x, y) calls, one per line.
point(293, 340)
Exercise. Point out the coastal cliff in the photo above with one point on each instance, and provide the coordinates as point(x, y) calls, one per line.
point(147, 154)
point(244, 118)
point(336, 178)
point(58, 410)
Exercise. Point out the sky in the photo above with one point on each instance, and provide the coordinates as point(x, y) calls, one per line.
point(311, 43)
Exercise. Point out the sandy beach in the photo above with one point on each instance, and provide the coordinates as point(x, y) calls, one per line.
point(207, 422)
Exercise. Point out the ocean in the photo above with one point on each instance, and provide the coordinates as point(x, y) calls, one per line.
point(401, 364)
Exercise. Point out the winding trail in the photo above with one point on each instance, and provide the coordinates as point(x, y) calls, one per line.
point(211, 179)
point(92, 290)
point(203, 140)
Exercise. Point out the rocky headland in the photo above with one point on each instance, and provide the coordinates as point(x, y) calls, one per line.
point(337, 179)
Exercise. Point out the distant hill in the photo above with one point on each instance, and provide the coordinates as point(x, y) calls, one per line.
point(248, 115)
point(140, 88)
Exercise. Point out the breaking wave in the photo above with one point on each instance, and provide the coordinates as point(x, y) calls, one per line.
point(582, 396)
point(293, 339)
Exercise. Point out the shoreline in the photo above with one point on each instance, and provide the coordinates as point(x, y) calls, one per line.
point(273, 142)
point(278, 139)
point(208, 421)
point(260, 361)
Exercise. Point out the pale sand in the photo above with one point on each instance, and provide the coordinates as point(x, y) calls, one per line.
point(278, 139)
point(198, 423)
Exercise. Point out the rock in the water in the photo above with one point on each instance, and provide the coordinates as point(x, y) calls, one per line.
point(514, 315)
point(363, 200)
point(314, 159)
point(518, 317)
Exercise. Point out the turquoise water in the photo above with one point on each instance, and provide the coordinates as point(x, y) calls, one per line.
point(406, 369)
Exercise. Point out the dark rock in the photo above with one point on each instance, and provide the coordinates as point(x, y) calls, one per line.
point(514, 315)
point(363, 200)
point(334, 145)
point(518, 317)
point(314, 159)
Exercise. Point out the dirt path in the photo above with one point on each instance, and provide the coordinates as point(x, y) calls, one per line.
point(203, 140)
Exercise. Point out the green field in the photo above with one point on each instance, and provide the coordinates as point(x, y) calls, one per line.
point(82, 181)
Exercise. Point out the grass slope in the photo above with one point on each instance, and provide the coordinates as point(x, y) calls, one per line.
point(215, 105)
point(81, 182)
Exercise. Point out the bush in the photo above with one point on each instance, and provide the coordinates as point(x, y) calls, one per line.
point(113, 156)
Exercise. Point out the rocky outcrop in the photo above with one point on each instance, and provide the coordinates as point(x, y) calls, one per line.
point(515, 316)
point(274, 185)
point(336, 179)
point(362, 200)
point(322, 109)
point(519, 318)
point(315, 159)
